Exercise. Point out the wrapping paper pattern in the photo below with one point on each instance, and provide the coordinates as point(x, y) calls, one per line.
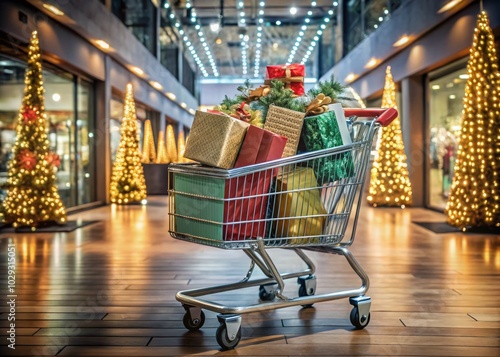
point(292, 75)
point(213, 207)
point(215, 140)
point(322, 132)
point(299, 197)
point(287, 123)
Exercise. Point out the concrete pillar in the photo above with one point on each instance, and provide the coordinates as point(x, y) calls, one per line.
point(101, 135)
point(412, 116)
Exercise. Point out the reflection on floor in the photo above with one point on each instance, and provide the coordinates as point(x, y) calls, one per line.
point(108, 289)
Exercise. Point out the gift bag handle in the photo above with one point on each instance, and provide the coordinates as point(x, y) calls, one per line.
point(384, 116)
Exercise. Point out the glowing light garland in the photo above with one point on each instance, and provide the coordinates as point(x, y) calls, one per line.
point(474, 199)
point(32, 196)
point(260, 21)
point(390, 183)
point(127, 179)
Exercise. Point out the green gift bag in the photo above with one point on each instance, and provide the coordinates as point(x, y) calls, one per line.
point(323, 132)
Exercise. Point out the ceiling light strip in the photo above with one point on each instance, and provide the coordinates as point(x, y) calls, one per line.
point(240, 8)
point(201, 39)
point(258, 51)
point(319, 32)
point(299, 38)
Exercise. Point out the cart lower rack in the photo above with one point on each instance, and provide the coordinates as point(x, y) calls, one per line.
point(306, 202)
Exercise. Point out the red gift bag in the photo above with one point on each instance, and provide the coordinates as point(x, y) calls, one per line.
point(292, 75)
point(246, 196)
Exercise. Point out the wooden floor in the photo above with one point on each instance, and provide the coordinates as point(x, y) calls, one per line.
point(109, 290)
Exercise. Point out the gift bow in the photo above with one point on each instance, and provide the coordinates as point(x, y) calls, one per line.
point(318, 105)
point(255, 94)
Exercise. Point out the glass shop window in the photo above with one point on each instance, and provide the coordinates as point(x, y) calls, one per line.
point(446, 95)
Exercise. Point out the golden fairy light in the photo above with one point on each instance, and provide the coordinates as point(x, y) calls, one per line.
point(390, 182)
point(181, 146)
point(127, 179)
point(474, 199)
point(171, 147)
point(32, 197)
point(162, 157)
point(148, 144)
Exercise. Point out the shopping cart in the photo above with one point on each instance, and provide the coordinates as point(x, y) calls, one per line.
point(303, 202)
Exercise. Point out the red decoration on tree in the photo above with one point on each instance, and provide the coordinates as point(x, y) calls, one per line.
point(53, 159)
point(29, 115)
point(27, 159)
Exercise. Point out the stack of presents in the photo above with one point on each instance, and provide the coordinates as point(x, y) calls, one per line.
point(276, 120)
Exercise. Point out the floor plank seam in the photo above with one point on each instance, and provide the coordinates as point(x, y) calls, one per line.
point(150, 339)
point(58, 352)
point(106, 314)
point(472, 317)
point(402, 322)
point(457, 292)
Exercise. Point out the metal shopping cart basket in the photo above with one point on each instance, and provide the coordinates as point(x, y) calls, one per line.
point(305, 202)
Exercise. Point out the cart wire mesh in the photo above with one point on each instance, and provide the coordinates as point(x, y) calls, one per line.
point(305, 200)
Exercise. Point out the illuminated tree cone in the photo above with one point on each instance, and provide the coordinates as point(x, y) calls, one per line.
point(148, 145)
point(162, 157)
point(474, 199)
point(181, 146)
point(171, 147)
point(32, 197)
point(127, 179)
point(390, 182)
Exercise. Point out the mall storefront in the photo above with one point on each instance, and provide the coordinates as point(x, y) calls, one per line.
point(69, 104)
point(430, 75)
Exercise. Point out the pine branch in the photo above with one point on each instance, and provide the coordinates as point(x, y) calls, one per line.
point(279, 96)
point(330, 88)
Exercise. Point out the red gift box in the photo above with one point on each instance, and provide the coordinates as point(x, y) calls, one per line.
point(292, 75)
point(247, 195)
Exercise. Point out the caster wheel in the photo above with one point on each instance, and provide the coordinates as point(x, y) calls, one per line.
point(307, 288)
point(357, 321)
point(193, 324)
point(266, 296)
point(223, 340)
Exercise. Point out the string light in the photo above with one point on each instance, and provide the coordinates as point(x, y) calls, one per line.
point(148, 144)
point(258, 51)
point(127, 179)
point(243, 37)
point(319, 33)
point(32, 196)
point(474, 199)
point(390, 183)
point(201, 39)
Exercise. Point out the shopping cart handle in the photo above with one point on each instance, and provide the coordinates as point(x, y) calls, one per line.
point(385, 116)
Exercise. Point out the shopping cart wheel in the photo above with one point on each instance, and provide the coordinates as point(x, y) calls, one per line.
point(228, 333)
point(357, 321)
point(307, 287)
point(267, 292)
point(194, 318)
point(360, 313)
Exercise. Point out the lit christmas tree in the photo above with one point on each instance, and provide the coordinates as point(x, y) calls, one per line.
point(148, 145)
point(32, 198)
point(161, 157)
point(171, 147)
point(127, 180)
point(390, 182)
point(181, 146)
point(474, 199)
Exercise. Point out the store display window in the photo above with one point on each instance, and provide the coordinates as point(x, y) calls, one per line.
point(446, 94)
point(69, 106)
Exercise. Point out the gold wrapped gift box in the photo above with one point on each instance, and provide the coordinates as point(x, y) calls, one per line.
point(300, 197)
point(215, 139)
point(287, 123)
